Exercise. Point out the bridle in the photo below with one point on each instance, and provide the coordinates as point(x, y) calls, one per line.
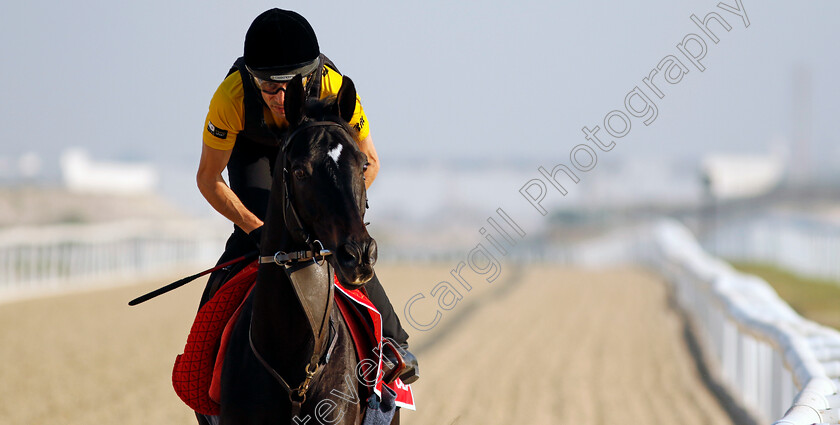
point(290, 214)
point(307, 279)
point(293, 223)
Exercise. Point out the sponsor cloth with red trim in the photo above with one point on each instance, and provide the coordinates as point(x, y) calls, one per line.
point(361, 321)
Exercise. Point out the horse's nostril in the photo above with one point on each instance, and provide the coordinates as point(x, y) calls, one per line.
point(372, 252)
point(348, 255)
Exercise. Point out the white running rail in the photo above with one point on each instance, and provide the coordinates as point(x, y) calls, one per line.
point(803, 245)
point(776, 364)
point(46, 258)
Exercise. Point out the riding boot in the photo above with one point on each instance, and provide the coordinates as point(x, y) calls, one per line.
point(391, 328)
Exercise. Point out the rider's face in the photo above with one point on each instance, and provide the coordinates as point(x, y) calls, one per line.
point(273, 93)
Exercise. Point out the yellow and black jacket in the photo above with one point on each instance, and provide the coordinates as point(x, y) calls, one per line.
point(238, 112)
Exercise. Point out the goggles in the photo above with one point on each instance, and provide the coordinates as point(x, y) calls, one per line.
point(271, 80)
point(269, 87)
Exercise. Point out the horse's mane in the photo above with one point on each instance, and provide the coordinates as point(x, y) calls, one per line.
point(327, 110)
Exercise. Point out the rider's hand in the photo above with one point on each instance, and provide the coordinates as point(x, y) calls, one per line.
point(256, 236)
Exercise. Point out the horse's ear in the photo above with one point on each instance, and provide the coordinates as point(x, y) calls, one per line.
point(346, 99)
point(294, 100)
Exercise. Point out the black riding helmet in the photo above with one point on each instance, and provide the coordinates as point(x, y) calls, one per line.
point(279, 45)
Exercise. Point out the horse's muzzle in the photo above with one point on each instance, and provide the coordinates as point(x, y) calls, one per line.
point(356, 260)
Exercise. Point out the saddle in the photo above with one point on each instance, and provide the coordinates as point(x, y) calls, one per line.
point(196, 375)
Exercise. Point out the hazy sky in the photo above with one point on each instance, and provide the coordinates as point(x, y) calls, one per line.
point(132, 80)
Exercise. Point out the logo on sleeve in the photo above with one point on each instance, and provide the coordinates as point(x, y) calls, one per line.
point(361, 124)
point(218, 132)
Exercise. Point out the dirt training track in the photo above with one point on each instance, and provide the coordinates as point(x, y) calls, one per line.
point(552, 346)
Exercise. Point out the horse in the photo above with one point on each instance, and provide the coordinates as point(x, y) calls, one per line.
point(290, 354)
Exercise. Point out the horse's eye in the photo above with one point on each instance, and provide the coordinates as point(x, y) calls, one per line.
point(299, 174)
point(364, 167)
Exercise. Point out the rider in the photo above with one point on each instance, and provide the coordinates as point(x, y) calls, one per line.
point(243, 129)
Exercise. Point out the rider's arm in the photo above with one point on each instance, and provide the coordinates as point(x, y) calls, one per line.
point(331, 83)
point(216, 191)
point(366, 146)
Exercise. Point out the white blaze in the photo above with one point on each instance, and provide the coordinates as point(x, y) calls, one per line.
point(335, 152)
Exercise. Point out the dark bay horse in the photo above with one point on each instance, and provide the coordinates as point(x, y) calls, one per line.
point(290, 354)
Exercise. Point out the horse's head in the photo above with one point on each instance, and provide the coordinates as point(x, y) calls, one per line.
point(323, 175)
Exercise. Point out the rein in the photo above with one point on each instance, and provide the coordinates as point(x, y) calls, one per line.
point(307, 281)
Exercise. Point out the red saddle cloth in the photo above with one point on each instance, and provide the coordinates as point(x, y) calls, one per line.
point(194, 369)
point(196, 376)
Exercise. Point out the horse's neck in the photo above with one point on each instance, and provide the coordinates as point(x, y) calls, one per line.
point(279, 326)
point(287, 321)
